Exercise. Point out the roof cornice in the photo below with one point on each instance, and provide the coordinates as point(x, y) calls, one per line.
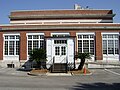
point(65, 28)
point(63, 16)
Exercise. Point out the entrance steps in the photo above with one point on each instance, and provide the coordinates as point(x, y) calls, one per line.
point(59, 68)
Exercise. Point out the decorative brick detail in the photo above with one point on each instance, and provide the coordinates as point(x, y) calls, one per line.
point(1, 46)
point(98, 46)
point(47, 34)
point(23, 46)
point(73, 34)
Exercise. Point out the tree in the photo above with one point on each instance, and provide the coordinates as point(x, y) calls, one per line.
point(39, 56)
point(82, 56)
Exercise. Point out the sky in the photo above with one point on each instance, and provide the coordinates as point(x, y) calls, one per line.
point(6, 6)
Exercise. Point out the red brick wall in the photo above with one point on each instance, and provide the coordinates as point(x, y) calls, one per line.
point(50, 12)
point(1, 46)
point(23, 46)
point(47, 34)
point(98, 46)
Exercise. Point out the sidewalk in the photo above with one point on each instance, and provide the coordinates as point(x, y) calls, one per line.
point(13, 71)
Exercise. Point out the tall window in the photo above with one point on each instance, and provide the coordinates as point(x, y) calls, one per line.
point(11, 44)
point(110, 43)
point(34, 42)
point(86, 43)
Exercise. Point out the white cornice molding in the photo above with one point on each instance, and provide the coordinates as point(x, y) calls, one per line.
point(66, 28)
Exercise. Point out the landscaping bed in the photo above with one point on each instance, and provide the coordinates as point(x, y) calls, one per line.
point(73, 72)
point(79, 72)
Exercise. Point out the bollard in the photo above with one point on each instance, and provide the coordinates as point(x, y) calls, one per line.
point(84, 70)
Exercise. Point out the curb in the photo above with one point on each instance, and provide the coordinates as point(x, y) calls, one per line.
point(35, 74)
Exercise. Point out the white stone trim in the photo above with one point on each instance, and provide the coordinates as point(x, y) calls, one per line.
point(108, 33)
point(60, 21)
point(85, 33)
point(60, 33)
point(34, 34)
point(11, 34)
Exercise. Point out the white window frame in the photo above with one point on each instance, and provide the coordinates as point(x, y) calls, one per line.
point(15, 34)
point(110, 39)
point(32, 34)
point(86, 39)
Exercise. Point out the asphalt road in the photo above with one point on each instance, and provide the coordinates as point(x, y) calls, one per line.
point(101, 79)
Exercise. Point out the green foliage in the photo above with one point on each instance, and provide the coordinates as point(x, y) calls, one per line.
point(38, 55)
point(83, 56)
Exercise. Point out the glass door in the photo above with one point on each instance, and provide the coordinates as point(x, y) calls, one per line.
point(60, 51)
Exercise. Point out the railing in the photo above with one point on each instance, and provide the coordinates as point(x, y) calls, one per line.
point(64, 60)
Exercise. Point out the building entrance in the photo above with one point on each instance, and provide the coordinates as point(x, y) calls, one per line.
point(60, 51)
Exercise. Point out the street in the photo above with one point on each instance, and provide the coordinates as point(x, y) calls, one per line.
point(101, 79)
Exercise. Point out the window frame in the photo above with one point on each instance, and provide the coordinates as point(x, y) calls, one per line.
point(110, 37)
point(8, 38)
point(40, 40)
point(81, 37)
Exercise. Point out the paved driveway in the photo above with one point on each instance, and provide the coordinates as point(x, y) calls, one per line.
point(10, 79)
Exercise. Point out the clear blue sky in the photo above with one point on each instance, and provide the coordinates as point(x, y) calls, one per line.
point(6, 6)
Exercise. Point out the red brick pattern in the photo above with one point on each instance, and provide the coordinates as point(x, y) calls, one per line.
point(98, 45)
point(1, 46)
point(23, 46)
point(50, 12)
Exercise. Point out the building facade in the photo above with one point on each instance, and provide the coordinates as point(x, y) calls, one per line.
point(62, 33)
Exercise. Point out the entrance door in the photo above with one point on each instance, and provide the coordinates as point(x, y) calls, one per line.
point(60, 51)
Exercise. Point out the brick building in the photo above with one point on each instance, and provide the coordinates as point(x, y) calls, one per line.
point(62, 33)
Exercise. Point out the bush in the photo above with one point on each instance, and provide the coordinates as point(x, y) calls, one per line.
point(39, 56)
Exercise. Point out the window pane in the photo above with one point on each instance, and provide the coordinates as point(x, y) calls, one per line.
point(85, 36)
point(80, 36)
point(79, 43)
point(104, 36)
point(92, 51)
point(80, 50)
point(6, 48)
point(12, 37)
point(35, 36)
point(63, 50)
point(104, 46)
point(17, 47)
point(41, 36)
point(41, 44)
point(91, 36)
point(6, 37)
point(11, 48)
point(29, 36)
point(57, 50)
point(110, 47)
point(91, 43)
point(86, 43)
point(60, 41)
point(17, 37)
point(116, 36)
point(35, 44)
point(29, 47)
point(110, 36)
point(86, 50)
point(116, 47)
